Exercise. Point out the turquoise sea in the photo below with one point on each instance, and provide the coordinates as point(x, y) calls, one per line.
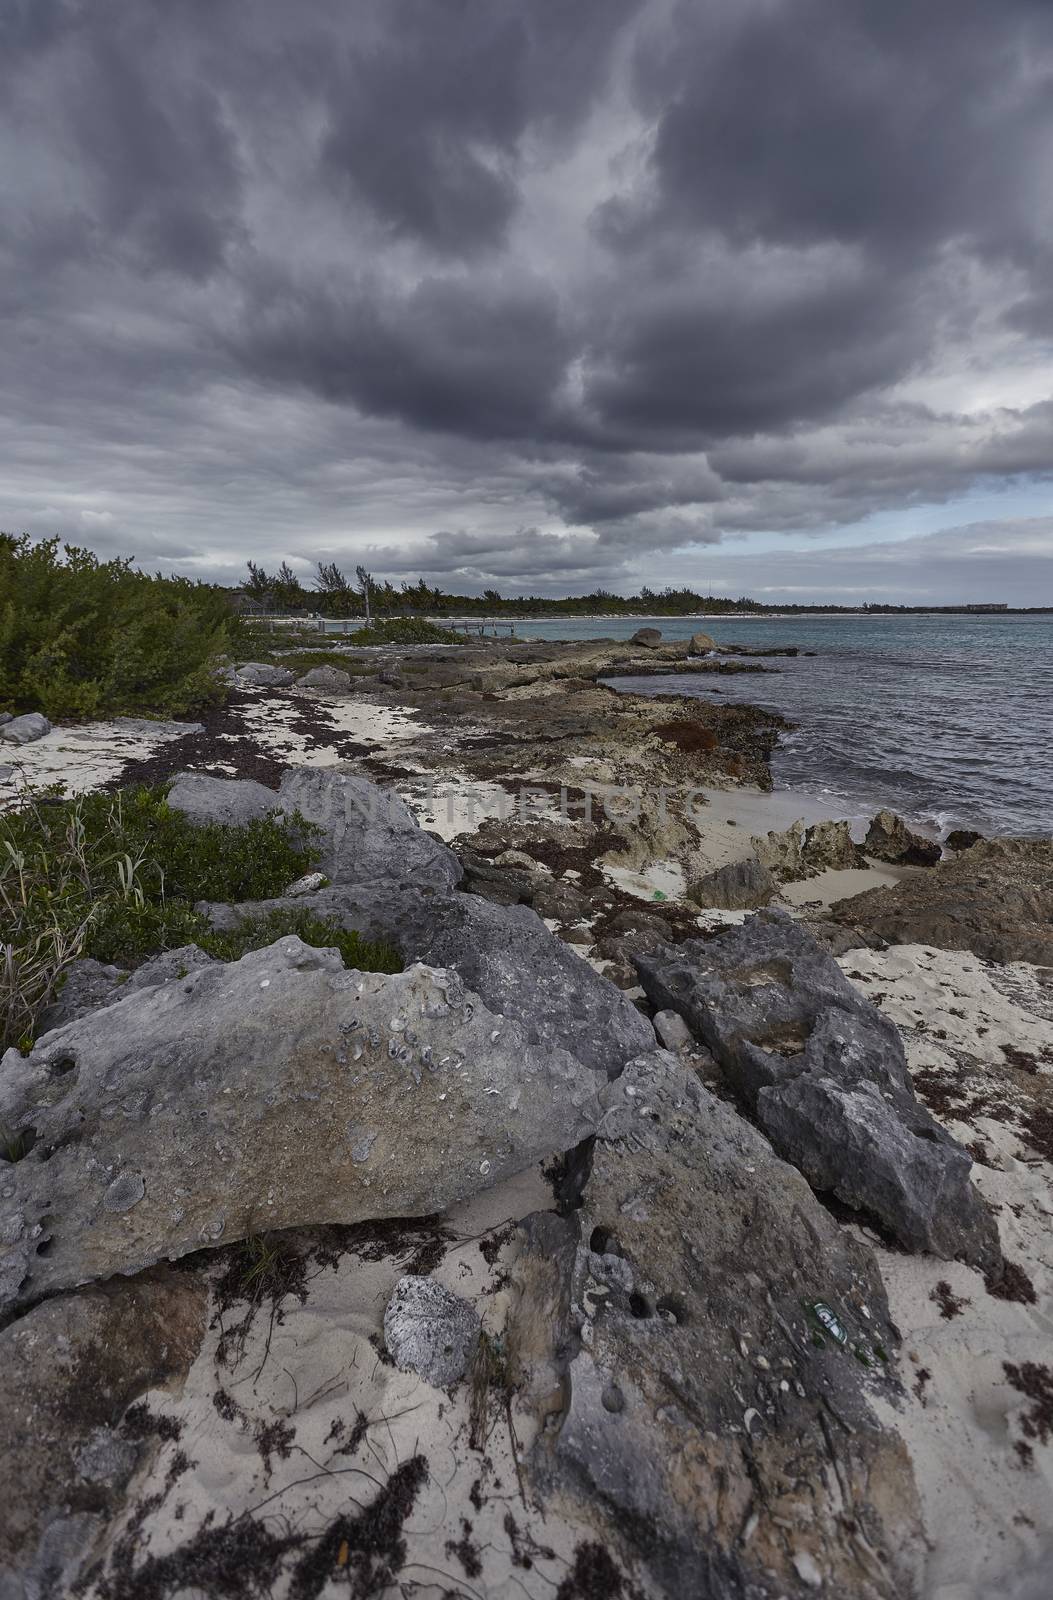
point(947, 719)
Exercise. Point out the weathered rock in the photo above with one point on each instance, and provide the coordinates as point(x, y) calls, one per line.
point(279, 1091)
point(700, 1392)
point(672, 1031)
point(504, 954)
point(526, 863)
point(801, 852)
point(230, 801)
point(326, 678)
point(68, 1370)
point(739, 886)
point(391, 677)
point(26, 729)
point(825, 1076)
point(650, 638)
point(700, 644)
point(267, 677)
point(430, 1331)
point(87, 985)
point(5, 717)
point(962, 839)
point(367, 833)
point(996, 899)
point(309, 884)
point(889, 839)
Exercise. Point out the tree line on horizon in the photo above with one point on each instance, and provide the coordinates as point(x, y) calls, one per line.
point(336, 595)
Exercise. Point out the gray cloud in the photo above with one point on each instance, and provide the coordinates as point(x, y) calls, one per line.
point(514, 291)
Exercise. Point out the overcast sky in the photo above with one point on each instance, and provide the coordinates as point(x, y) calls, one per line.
point(755, 295)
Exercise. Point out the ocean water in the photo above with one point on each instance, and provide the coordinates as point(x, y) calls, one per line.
point(948, 720)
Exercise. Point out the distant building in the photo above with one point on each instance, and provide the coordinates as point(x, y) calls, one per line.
point(989, 606)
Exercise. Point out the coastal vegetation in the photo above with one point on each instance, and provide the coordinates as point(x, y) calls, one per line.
point(116, 877)
point(82, 638)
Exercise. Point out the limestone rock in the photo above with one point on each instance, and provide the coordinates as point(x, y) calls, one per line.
point(801, 852)
point(230, 801)
point(825, 1076)
point(673, 1032)
point(962, 839)
point(504, 954)
point(650, 638)
point(739, 886)
point(327, 678)
point(262, 674)
point(278, 1091)
point(700, 1390)
point(889, 839)
point(26, 729)
point(368, 833)
point(701, 644)
point(430, 1331)
point(69, 1368)
point(995, 899)
point(309, 884)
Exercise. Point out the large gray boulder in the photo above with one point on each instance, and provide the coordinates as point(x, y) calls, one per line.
point(504, 954)
point(649, 638)
point(26, 729)
point(279, 1091)
point(328, 679)
point(230, 801)
point(825, 1076)
point(367, 833)
point(699, 1389)
point(263, 675)
point(739, 886)
point(69, 1369)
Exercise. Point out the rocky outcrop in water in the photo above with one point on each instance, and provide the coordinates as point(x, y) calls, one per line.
point(825, 1076)
point(889, 839)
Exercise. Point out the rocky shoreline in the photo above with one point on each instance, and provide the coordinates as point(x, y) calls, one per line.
point(676, 1223)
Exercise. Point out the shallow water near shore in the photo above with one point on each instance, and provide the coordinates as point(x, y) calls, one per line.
point(948, 720)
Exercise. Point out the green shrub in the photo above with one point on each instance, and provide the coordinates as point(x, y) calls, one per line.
point(116, 877)
point(83, 638)
point(255, 933)
point(405, 630)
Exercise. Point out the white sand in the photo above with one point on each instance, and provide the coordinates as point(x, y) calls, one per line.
point(84, 757)
point(989, 1515)
point(321, 1369)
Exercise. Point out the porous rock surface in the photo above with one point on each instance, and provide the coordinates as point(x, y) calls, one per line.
point(69, 1369)
point(430, 1331)
point(800, 852)
point(280, 1090)
point(889, 839)
point(825, 1076)
point(701, 1416)
point(263, 675)
point(504, 954)
point(996, 899)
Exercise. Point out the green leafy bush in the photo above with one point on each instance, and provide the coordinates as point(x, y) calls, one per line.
point(83, 638)
point(116, 877)
point(404, 630)
point(255, 933)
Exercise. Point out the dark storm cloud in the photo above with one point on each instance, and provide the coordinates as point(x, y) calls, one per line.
point(586, 282)
point(477, 358)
